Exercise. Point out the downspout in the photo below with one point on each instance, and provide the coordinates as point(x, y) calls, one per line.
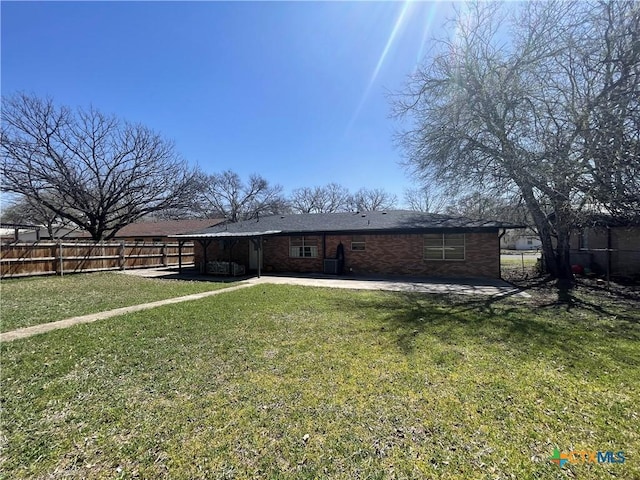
point(324, 246)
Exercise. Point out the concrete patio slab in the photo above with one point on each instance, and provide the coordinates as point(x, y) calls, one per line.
point(458, 286)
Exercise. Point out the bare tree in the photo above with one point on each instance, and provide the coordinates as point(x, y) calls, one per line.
point(27, 211)
point(326, 199)
point(611, 127)
point(487, 206)
point(374, 199)
point(424, 200)
point(93, 169)
point(511, 102)
point(227, 195)
point(304, 199)
point(334, 198)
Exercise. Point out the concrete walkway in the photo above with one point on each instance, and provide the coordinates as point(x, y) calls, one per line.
point(468, 286)
point(93, 317)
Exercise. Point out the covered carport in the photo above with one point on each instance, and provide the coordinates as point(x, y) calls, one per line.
point(231, 239)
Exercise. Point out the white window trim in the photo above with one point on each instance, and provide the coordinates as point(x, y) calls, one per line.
point(443, 248)
point(362, 243)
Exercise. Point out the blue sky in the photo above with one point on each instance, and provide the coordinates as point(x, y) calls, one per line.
point(294, 91)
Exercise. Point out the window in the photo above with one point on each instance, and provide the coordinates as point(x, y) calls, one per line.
point(444, 246)
point(358, 243)
point(302, 247)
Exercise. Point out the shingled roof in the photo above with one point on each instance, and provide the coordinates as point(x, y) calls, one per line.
point(167, 227)
point(393, 221)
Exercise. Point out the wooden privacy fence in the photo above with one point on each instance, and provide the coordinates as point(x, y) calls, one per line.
point(21, 259)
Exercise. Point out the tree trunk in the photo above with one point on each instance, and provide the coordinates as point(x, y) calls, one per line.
point(563, 258)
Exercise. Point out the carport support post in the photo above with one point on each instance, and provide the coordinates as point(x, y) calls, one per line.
point(205, 246)
point(259, 255)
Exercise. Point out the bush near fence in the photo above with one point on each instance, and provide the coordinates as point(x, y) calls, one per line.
point(21, 259)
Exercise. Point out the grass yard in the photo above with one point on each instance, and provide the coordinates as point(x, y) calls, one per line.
point(284, 382)
point(514, 267)
point(35, 300)
point(517, 260)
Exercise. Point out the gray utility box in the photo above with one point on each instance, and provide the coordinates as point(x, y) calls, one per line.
point(331, 266)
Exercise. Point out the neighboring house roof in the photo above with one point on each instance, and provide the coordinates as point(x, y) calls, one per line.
point(10, 232)
point(59, 231)
point(168, 227)
point(603, 220)
point(399, 221)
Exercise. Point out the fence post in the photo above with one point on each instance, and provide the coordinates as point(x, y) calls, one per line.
point(60, 259)
point(122, 259)
point(164, 255)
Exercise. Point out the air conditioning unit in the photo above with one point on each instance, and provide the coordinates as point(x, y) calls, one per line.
point(331, 266)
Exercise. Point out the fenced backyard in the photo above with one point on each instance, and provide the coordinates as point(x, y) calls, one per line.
point(21, 259)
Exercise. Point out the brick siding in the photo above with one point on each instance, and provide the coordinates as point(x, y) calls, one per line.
point(389, 254)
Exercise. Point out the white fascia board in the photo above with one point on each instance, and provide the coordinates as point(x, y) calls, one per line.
point(228, 234)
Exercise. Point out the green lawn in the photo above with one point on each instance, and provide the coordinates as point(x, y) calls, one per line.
point(286, 382)
point(31, 301)
point(517, 260)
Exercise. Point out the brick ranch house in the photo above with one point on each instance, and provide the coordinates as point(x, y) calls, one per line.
point(389, 243)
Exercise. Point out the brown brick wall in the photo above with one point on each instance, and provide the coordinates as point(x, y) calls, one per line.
point(403, 255)
point(277, 259)
point(393, 254)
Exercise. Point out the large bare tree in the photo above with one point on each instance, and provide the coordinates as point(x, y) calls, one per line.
point(484, 206)
point(611, 126)
point(227, 195)
point(93, 169)
point(329, 198)
point(424, 199)
point(531, 99)
point(373, 199)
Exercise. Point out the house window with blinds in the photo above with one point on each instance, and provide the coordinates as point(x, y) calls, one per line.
point(303, 247)
point(358, 243)
point(444, 246)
